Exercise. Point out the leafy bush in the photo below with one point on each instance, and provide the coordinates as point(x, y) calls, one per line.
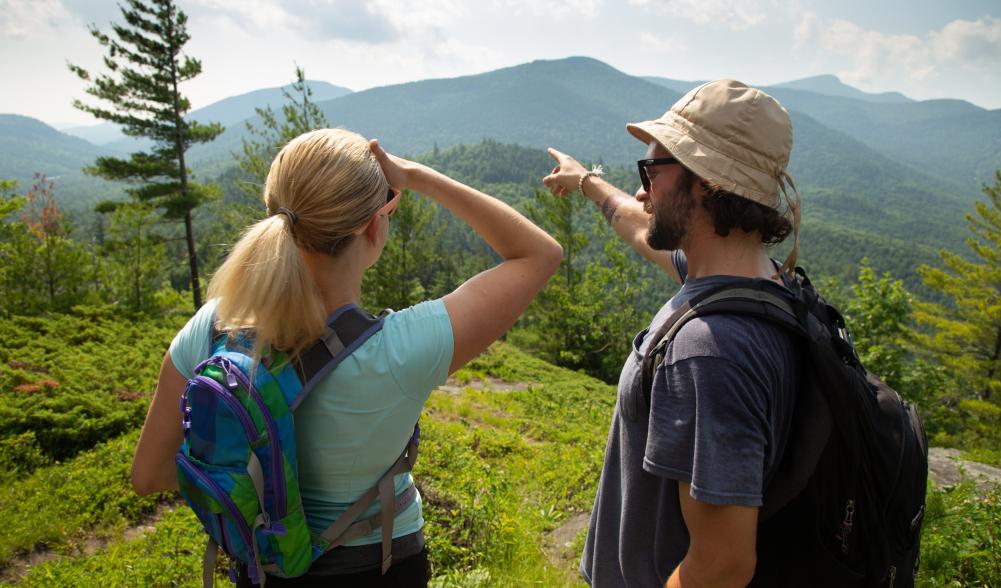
point(961, 538)
point(168, 555)
point(74, 380)
point(57, 507)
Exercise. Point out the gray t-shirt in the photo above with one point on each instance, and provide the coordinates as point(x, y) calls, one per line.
point(718, 419)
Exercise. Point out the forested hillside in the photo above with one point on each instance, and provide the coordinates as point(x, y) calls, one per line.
point(905, 241)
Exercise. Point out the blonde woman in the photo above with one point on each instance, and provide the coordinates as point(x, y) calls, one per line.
point(329, 195)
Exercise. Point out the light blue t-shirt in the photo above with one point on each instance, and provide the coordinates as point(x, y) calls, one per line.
point(356, 422)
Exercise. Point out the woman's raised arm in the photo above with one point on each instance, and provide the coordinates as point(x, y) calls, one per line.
point(485, 306)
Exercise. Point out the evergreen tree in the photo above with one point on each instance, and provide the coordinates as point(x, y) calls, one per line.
point(589, 311)
point(142, 93)
point(878, 317)
point(134, 269)
point(410, 264)
point(299, 115)
point(966, 335)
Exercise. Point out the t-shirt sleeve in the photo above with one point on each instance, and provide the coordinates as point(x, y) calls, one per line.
point(708, 427)
point(191, 344)
point(422, 345)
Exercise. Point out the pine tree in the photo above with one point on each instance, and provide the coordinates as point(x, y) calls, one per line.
point(141, 90)
point(966, 334)
point(587, 314)
point(299, 115)
point(133, 272)
point(410, 263)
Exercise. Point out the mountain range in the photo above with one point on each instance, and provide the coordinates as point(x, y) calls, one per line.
point(880, 171)
point(227, 112)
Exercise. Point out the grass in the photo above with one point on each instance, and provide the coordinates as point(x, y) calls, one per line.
point(499, 472)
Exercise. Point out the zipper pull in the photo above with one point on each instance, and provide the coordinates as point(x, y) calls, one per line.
point(893, 576)
point(846, 525)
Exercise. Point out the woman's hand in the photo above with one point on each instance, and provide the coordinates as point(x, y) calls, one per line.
point(565, 177)
point(400, 173)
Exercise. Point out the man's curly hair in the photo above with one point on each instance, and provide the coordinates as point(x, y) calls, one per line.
point(730, 211)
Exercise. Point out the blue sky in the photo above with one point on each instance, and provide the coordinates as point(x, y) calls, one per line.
point(923, 48)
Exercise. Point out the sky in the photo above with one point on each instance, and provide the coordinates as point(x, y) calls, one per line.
point(925, 49)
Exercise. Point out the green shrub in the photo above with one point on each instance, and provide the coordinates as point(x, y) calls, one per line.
point(75, 380)
point(961, 538)
point(59, 506)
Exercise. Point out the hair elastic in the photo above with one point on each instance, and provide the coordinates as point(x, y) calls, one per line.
point(291, 215)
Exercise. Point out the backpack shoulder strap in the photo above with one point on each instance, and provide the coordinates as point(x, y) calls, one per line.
point(813, 424)
point(347, 328)
point(745, 300)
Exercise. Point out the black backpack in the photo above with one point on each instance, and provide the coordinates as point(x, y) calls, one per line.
point(844, 507)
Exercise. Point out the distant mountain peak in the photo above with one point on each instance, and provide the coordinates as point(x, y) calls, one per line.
point(832, 85)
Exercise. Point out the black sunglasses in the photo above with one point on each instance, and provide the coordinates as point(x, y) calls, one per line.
point(642, 164)
point(389, 198)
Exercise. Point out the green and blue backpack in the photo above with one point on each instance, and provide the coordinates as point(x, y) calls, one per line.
point(237, 465)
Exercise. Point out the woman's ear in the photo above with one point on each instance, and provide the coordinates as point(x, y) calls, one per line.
point(371, 230)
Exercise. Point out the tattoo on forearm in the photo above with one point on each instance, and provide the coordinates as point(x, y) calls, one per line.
point(610, 205)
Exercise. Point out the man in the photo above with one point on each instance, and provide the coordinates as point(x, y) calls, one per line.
point(684, 473)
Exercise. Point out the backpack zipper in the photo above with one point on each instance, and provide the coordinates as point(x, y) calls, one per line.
point(893, 576)
point(220, 495)
point(233, 404)
point(234, 374)
point(846, 525)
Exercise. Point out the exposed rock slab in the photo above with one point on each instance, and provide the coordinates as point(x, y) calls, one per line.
point(946, 468)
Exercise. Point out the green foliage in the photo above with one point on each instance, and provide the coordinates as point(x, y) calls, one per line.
point(169, 554)
point(961, 539)
point(966, 334)
point(134, 272)
point(44, 269)
point(500, 470)
point(57, 507)
point(299, 115)
point(880, 316)
point(589, 311)
point(141, 90)
point(74, 380)
point(411, 267)
point(20, 455)
point(880, 312)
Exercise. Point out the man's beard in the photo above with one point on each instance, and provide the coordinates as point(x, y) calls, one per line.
point(669, 221)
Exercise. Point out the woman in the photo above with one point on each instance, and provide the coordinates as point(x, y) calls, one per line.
point(329, 196)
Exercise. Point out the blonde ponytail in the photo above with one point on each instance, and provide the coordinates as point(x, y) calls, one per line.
point(322, 186)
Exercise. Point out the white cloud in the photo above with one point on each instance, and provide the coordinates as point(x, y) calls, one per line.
point(314, 19)
point(737, 15)
point(550, 8)
point(24, 19)
point(667, 44)
point(805, 29)
point(874, 54)
point(973, 43)
point(878, 58)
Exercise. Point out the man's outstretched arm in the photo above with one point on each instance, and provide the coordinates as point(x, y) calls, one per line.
point(722, 550)
point(623, 212)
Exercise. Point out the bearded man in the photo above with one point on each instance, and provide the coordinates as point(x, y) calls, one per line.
point(686, 465)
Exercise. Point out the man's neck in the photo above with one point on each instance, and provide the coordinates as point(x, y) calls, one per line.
point(738, 254)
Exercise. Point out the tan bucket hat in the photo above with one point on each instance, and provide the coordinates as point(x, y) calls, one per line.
point(732, 135)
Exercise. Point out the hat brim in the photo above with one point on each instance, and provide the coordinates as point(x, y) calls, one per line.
point(708, 163)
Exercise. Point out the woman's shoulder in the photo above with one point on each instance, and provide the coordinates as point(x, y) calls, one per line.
point(429, 311)
point(418, 345)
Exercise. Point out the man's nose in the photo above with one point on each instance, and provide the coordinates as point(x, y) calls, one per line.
point(641, 195)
